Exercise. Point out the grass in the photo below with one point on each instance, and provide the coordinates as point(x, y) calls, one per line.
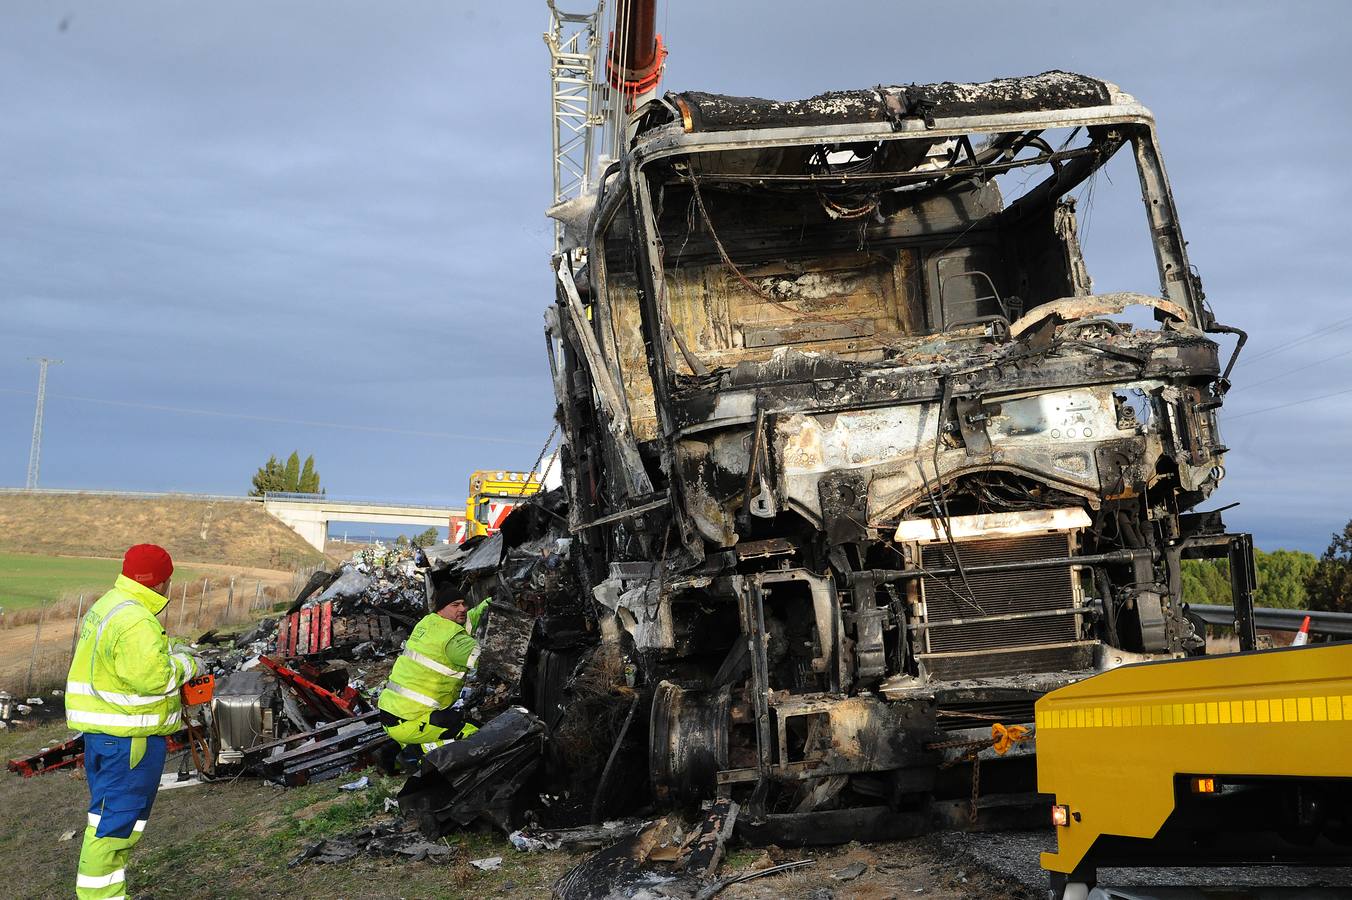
point(234, 840)
point(27, 580)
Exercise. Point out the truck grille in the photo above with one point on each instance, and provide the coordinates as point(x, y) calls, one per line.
point(1001, 648)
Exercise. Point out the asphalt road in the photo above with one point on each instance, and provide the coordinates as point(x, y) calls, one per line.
point(1014, 855)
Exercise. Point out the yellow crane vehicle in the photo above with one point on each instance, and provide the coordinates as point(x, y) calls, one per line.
point(1242, 759)
point(493, 494)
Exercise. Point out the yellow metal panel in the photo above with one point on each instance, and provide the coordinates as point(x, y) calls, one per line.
point(1277, 713)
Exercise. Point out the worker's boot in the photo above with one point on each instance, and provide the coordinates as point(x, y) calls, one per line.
point(409, 759)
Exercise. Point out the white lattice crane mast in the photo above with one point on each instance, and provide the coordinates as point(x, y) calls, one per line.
point(586, 119)
point(576, 103)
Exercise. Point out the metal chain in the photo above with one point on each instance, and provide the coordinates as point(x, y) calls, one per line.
point(535, 469)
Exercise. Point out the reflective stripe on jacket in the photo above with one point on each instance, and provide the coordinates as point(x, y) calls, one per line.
point(123, 680)
point(428, 674)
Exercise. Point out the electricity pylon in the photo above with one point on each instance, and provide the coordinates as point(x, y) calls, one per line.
point(35, 451)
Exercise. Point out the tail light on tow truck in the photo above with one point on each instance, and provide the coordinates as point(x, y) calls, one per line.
point(1202, 784)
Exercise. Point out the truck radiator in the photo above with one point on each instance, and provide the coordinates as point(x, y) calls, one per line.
point(1019, 646)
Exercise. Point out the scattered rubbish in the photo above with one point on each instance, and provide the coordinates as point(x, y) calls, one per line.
point(360, 784)
point(487, 864)
point(850, 872)
point(521, 841)
point(717, 886)
point(171, 780)
point(34, 701)
point(66, 836)
point(667, 858)
point(393, 838)
point(390, 804)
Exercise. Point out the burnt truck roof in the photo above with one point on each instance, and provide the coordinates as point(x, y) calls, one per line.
point(1053, 90)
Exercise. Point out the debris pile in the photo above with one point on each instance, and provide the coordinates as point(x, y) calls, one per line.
point(390, 580)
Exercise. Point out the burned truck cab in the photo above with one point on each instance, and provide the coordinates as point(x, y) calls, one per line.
point(857, 462)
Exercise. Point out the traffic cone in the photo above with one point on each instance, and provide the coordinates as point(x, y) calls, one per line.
point(1302, 636)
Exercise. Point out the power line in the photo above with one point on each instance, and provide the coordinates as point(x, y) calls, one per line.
point(1299, 369)
point(1318, 332)
point(380, 429)
point(1254, 412)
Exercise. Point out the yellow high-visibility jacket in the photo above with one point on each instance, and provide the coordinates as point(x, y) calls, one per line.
point(123, 680)
point(427, 676)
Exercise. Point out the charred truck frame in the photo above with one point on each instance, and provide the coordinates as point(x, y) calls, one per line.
point(856, 461)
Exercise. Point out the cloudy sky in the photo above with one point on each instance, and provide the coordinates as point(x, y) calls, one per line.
point(252, 227)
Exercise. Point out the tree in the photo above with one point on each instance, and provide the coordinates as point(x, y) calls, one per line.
point(309, 478)
point(1282, 576)
point(270, 477)
point(1329, 586)
point(288, 477)
point(427, 538)
point(293, 472)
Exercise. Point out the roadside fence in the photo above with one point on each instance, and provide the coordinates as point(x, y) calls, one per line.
point(194, 608)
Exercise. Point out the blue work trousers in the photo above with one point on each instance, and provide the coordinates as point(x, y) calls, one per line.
point(120, 797)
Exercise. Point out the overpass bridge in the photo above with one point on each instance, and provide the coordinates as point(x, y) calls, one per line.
point(309, 516)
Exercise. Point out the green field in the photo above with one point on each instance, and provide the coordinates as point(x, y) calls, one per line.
point(28, 580)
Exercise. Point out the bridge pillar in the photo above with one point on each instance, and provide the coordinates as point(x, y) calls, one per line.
point(310, 523)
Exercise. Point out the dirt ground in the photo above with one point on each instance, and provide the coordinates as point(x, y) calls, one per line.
point(914, 868)
point(235, 839)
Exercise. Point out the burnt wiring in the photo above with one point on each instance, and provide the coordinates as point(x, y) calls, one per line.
point(951, 172)
point(754, 288)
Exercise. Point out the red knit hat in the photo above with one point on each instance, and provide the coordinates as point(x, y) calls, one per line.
point(147, 564)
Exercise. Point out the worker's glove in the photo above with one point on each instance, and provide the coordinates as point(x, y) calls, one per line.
point(191, 662)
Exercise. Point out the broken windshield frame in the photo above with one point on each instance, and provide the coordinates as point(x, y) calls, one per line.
point(658, 160)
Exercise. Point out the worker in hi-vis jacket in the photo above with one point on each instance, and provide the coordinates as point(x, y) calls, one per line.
point(122, 692)
point(416, 704)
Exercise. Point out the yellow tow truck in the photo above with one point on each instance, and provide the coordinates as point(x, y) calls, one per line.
point(493, 493)
point(1242, 759)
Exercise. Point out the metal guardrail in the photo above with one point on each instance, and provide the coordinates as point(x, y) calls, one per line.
point(142, 495)
point(220, 498)
point(1274, 619)
point(325, 500)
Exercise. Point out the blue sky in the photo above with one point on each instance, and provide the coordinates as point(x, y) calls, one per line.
point(242, 225)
